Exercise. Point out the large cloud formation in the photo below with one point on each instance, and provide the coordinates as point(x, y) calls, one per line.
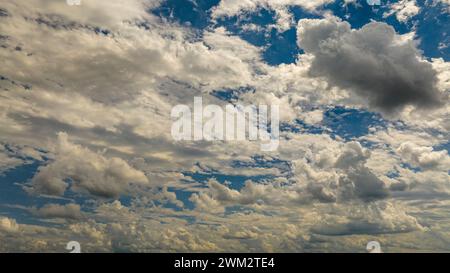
point(374, 62)
point(88, 171)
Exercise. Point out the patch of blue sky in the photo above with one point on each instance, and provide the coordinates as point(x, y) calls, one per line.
point(300, 13)
point(261, 18)
point(183, 196)
point(13, 195)
point(192, 13)
point(14, 198)
point(280, 47)
point(101, 31)
point(300, 127)
point(442, 147)
point(235, 182)
point(346, 123)
point(11, 182)
point(170, 205)
point(361, 13)
point(349, 123)
point(410, 167)
point(231, 95)
point(431, 24)
point(259, 161)
point(433, 27)
point(393, 174)
point(21, 215)
point(128, 200)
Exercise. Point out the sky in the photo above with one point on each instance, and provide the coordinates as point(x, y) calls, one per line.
point(87, 154)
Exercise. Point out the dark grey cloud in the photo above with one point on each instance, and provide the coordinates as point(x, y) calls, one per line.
point(372, 61)
point(3, 12)
point(320, 193)
point(360, 182)
point(361, 227)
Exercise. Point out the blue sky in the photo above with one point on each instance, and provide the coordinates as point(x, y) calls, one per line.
point(431, 24)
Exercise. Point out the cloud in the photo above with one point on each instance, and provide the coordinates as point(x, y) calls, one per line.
point(109, 74)
point(339, 179)
point(87, 171)
point(446, 4)
point(109, 14)
point(424, 157)
point(234, 7)
point(353, 154)
point(69, 211)
point(374, 62)
point(284, 19)
point(404, 10)
point(370, 219)
point(360, 182)
point(8, 225)
point(7, 161)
